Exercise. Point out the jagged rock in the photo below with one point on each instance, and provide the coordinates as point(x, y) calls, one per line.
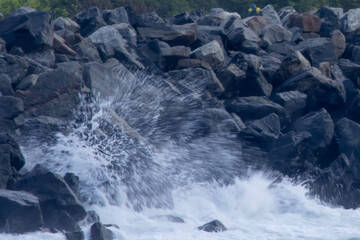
point(290, 154)
point(213, 226)
point(89, 20)
point(305, 21)
point(285, 13)
point(148, 20)
point(100, 232)
point(269, 13)
point(87, 51)
point(318, 50)
point(330, 19)
point(263, 132)
point(216, 17)
point(350, 70)
point(116, 16)
point(75, 235)
point(339, 42)
point(127, 32)
point(61, 47)
point(207, 34)
point(256, 23)
point(274, 33)
point(19, 212)
point(174, 35)
point(270, 65)
point(294, 103)
point(231, 78)
point(170, 56)
point(45, 56)
point(66, 23)
point(28, 82)
point(211, 53)
point(321, 91)
point(22, 11)
point(17, 160)
point(350, 22)
point(59, 206)
point(13, 66)
point(251, 108)
point(309, 35)
point(73, 182)
point(35, 27)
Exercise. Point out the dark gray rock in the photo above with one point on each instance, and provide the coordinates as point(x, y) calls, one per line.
point(270, 65)
point(70, 37)
point(283, 48)
point(5, 85)
point(347, 132)
point(2, 46)
point(321, 91)
point(16, 157)
point(251, 108)
point(75, 235)
point(339, 42)
point(73, 182)
point(87, 51)
point(330, 18)
point(216, 17)
point(351, 70)
point(184, 18)
point(10, 107)
point(127, 32)
point(14, 67)
point(27, 31)
point(89, 20)
point(148, 20)
point(44, 56)
point(213, 226)
point(116, 16)
point(294, 103)
point(66, 23)
point(100, 232)
point(269, 13)
point(231, 78)
point(350, 25)
point(5, 165)
point(19, 212)
point(256, 23)
point(212, 53)
point(262, 132)
point(207, 34)
point(28, 82)
point(284, 14)
point(274, 33)
point(91, 218)
point(318, 50)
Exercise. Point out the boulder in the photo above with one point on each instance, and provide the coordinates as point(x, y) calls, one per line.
point(213, 226)
point(61, 47)
point(256, 23)
point(2, 46)
point(75, 235)
point(355, 53)
point(184, 18)
point(291, 65)
point(116, 16)
point(207, 34)
point(192, 63)
point(216, 17)
point(127, 32)
point(89, 21)
point(211, 53)
point(66, 23)
point(305, 21)
point(44, 56)
point(10, 107)
point(19, 212)
point(5, 85)
point(150, 19)
point(351, 70)
point(274, 33)
point(87, 51)
point(14, 67)
point(27, 82)
point(70, 37)
point(252, 108)
point(321, 91)
point(283, 48)
point(318, 50)
point(346, 132)
point(73, 182)
point(350, 25)
point(22, 11)
point(297, 35)
point(17, 159)
point(285, 13)
point(99, 232)
point(262, 132)
point(231, 78)
point(339, 42)
point(270, 65)
point(169, 218)
point(269, 13)
point(330, 18)
point(174, 35)
point(294, 103)
point(35, 27)
point(59, 206)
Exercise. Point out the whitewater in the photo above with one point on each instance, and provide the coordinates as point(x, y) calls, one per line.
point(142, 170)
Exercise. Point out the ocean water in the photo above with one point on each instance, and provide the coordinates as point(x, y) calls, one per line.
point(139, 170)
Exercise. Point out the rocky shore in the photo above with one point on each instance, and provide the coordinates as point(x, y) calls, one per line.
point(286, 83)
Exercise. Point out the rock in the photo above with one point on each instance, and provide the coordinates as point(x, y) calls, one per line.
point(305, 21)
point(66, 23)
point(70, 37)
point(297, 35)
point(216, 17)
point(116, 16)
point(184, 18)
point(2, 46)
point(10, 107)
point(346, 132)
point(318, 50)
point(5, 165)
point(170, 56)
point(355, 53)
point(14, 67)
point(71, 66)
point(127, 32)
point(192, 63)
point(213, 226)
point(321, 127)
point(291, 155)
point(321, 91)
point(207, 34)
point(91, 218)
point(339, 42)
point(294, 103)
point(325, 69)
point(19, 212)
point(274, 33)
point(285, 13)
point(148, 20)
point(351, 70)
point(330, 20)
point(22, 11)
point(350, 23)
point(257, 23)
point(89, 20)
point(263, 132)
point(100, 232)
point(45, 56)
point(5, 85)
point(231, 78)
point(269, 13)
point(73, 182)
point(252, 108)
point(174, 35)
point(28, 82)
point(35, 27)
point(17, 159)
point(270, 65)
point(211, 53)
point(61, 47)
point(75, 235)
point(87, 51)
point(283, 48)
point(59, 206)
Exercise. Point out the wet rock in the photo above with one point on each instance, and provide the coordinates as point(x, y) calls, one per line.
point(213, 226)
point(91, 217)
point(17, 159)
point(285, 13)
point(339, 42)
point(321, 91)
point(211, 53)
point(100, 232)
point(263, 132)
point(35, 27)
point(274, 33)
point(269, 13)
point(305, 21)
point(75, 235)
point(19, 212)
point(318, 50)
point(330, 20)
point(66, 23)
point(294, 103)
point(89, 20)
point(251, 108)
point(2, 46)
point(73, 182)
point(116, 16)
point(59, 206)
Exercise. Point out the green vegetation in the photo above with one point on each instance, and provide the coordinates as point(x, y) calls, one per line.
point(68, 8)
